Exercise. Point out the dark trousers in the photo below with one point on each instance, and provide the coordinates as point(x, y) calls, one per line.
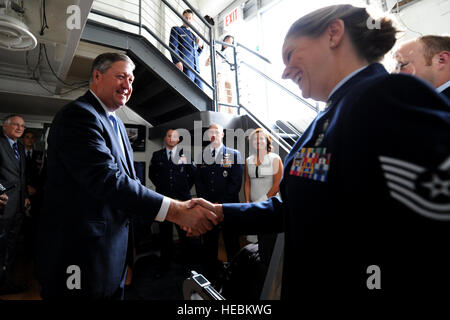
point(193, 77)
point(167, 245)
point(266, 243)
point(9, 234)
point(211, 250)
point(62, 293)
point(30, 226)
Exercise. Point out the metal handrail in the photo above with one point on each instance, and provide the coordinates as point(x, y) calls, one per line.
point(279, 85)
point(187, 22)
point(276, 137)
point(131, 22)
point(283, 131)
point(292, 128)
point(253, 52)
point(197, 14)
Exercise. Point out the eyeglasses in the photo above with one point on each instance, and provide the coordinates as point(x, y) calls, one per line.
point(400, 65)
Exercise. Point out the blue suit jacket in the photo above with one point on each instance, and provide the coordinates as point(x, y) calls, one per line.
point(183, 42)
point(363, 194)
point(91, 193)
point(219, 181)
point(172, 178)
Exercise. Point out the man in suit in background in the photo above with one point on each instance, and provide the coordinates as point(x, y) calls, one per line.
point(172, 172)
point(92, 192)
point(12, 172)
point(34, 178)
point(427, 57)
point(188, 47)
point(33, 160)
point(218, 179)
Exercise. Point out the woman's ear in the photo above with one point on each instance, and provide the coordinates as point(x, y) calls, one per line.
point(336, 31)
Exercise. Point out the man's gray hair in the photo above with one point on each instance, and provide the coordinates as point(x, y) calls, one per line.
point(8, 118)
point(104, 61)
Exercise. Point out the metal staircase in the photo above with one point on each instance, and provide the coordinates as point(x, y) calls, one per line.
point(165, 96)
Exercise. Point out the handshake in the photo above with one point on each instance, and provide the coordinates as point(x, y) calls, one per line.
point(195, 216)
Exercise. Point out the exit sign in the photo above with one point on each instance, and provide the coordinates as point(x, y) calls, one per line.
point(231, 18)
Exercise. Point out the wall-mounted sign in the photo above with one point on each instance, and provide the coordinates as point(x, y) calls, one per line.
point(231, 18)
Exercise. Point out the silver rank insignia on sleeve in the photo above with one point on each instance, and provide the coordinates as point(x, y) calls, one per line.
point(425, 191)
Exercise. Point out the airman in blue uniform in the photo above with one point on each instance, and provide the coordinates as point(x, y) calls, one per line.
point(186, 45)
point(172, 172)
point(219, 179)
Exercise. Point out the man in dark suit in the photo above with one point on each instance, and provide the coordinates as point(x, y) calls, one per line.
point(33, 161)
point(188, 47)
point(92, 192)
point(12, 172)
point(427, 57)
point(218, 179)
point(172, 172)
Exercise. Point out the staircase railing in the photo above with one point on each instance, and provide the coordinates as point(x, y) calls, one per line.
point(250, 99)
point(154, 19)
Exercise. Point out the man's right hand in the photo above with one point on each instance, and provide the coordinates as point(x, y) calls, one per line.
point(179, 65)
point(191, 216)
point(213, 207)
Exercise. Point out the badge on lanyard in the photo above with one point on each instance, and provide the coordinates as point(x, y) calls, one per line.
point(225, 174)
point(311, 163)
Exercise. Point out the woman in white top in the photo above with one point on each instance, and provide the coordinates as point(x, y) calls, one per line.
point(225, 74)
point(263, 172)
point(263, 168)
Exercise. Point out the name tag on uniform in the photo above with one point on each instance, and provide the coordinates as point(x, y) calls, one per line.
point(311, 163)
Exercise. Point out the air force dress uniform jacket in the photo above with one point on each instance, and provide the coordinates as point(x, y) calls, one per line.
point(219, 180)
point(365, 193)
point(172, 178)
point(91, 193)
point(184, 43)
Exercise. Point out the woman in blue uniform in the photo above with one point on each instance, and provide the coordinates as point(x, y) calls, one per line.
point(365, 191)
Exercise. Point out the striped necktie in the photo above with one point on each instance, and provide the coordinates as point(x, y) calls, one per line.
point(16, 151)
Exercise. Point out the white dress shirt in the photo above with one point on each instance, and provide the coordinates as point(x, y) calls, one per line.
point(443, 87)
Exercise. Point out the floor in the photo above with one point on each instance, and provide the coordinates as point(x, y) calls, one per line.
point(143, 282)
